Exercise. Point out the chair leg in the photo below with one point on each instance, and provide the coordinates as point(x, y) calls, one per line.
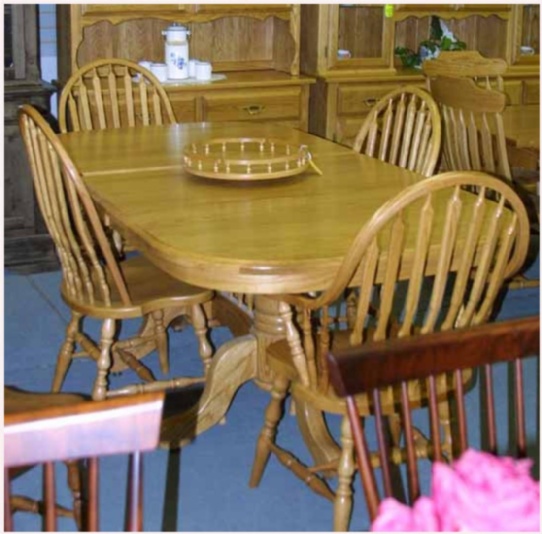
point(273, 414)
point(66, 352)
point(200, 327)
point(75, 485)
point(161, 340)
point(104, 361)
point(345, 473)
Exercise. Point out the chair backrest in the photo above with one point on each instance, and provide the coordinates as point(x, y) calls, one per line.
point(433, 258)
point(474, 137)
point(91, 272)
point(467, 64)
point(403, 128)
point(370, 368)
point(127, 425)
point(113, 93)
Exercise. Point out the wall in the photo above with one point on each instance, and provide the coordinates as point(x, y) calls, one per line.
point(48, 48)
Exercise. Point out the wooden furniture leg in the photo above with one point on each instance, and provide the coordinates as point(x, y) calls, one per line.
point(232, 366)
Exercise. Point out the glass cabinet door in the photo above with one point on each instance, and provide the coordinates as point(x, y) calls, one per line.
point(530, 30)
point(362, 36)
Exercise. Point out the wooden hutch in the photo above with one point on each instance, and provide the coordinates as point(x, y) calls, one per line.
point(255, 45)
point(347, 87)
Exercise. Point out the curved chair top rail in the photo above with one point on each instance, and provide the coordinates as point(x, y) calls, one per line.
point(70, 215)
point(97, 104)
point(463, 93)
point(483, 190)
point(410, 131)
point(464, 64)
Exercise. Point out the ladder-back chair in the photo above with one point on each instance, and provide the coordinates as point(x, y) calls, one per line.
point(94, 283)
point(371, 369)
point(113, 93)
point(474, 137)
point(403, 128)
point(433, 258)
point(486, 72)
point(129, 425)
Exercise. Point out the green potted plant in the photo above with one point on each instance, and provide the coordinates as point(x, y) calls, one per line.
point(441, 38)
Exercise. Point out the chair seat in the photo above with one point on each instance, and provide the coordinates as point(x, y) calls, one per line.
point(150, 289)
point(280, 361)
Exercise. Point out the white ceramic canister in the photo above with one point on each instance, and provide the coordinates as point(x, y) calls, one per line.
point(176, 51)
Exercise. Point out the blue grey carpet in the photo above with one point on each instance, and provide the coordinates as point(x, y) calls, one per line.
point(205, 486)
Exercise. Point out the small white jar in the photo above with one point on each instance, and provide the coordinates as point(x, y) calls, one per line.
point(160, 71)
point(192, 64)
point(204, 71)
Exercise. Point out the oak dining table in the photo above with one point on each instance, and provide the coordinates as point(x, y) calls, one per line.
point(260, 238)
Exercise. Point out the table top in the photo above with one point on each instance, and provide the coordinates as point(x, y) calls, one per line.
point(279, 236)
point(522, 125)
point(161, 147)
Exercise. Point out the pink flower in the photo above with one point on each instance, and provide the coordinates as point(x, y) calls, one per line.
point(396, 517)
point(479, 492)
point(482, 492)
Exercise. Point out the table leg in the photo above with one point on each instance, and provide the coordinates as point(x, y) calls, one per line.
point(233, 364)
point(269, 326)
point(322, 447)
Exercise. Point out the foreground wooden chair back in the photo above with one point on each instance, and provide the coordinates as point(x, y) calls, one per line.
point(474, 137)
point(113, 93)
point(17, 401)
point(129, 425)
point(403, 128)
point(369, 369)
point(486, 72)
point(96, 284)
point(433, 258)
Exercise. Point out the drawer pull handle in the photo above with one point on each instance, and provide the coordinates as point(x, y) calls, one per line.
point(254, 109)
point(370, 102)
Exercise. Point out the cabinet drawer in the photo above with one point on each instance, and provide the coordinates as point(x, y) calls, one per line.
point(355, 99)
point(531, 94)
point(253, 105)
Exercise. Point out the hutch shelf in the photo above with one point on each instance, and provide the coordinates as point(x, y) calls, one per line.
point(255, 46)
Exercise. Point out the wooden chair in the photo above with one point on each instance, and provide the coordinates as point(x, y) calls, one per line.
point(474, 139)
point(113, 93)
point(486, 72)
point(85, 430)
point(395, 298)
point(371, 369)
point(403, 128)
point(94, 283)
point(17, 401)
